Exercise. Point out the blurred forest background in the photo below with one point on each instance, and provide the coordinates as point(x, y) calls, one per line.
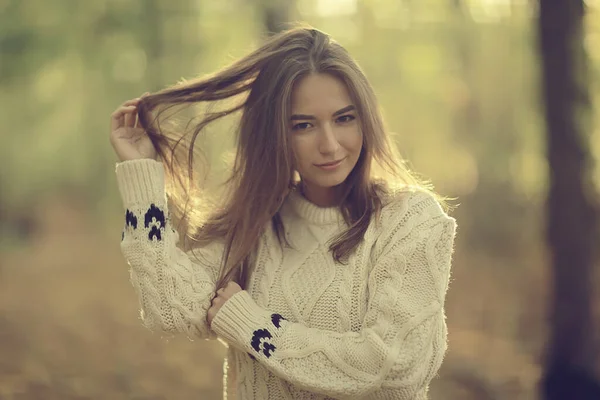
point(459, 82)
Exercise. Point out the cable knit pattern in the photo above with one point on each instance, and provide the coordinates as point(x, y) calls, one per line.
point(344, 301)
point(306, 327)
point(174, 289)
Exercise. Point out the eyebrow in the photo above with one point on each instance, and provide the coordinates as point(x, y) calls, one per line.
point(296, 117)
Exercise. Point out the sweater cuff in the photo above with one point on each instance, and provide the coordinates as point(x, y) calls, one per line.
point(238, 318)
point(140, 181)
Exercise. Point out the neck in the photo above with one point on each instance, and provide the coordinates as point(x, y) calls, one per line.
point(322, 197)
point(311, 212)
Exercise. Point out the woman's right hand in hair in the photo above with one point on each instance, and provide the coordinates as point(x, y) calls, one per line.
point(129, 141)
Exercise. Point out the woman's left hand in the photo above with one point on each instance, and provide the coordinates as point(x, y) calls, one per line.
point(222, 296)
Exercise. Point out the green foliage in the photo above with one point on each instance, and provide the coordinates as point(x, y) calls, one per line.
point(458, 83)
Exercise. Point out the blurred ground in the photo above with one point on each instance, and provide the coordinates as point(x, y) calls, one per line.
point(69, 327)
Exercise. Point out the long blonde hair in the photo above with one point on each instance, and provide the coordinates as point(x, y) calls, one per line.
point(259, 86)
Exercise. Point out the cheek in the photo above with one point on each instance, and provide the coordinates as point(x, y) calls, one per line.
point(301, 152)
point(353, 140)
point(359, 144)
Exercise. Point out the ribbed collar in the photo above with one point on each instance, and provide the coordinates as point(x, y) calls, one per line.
point(313, 213)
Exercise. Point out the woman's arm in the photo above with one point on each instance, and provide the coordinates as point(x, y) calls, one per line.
point(403, 339)
point(174, 289)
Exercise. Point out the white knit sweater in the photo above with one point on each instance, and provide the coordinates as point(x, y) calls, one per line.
point(306, 327)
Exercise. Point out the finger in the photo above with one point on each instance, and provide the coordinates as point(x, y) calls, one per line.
point(117, 118)
point(233, 285)
point(137, 118)
point(130, 117)
point(131, 102)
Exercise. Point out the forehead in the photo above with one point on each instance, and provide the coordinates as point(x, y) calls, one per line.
point(319, 93)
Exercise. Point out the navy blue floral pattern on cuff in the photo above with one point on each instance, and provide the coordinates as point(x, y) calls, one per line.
point(276, 320)
point(131, 222)
point(260, 338)
point(130, 219)
point(155, 220)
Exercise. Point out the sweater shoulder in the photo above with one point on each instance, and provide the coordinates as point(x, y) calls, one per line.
point(407, 216)
point(409, 209)
point(409, 203)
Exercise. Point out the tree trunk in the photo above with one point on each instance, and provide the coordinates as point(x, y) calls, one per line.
point(276, 13)
point(571, 214)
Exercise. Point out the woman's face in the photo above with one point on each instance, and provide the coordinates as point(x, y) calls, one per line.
point(324, 127)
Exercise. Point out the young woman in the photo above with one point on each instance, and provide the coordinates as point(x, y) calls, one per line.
point(324, 267)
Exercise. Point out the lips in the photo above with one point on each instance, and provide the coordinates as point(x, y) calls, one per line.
point(331, 163)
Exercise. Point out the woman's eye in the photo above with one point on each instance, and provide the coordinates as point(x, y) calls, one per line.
point(301, 126)
point(345, 118)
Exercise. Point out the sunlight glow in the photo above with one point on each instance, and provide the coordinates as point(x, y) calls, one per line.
point(592, 43)
point(333, 8)
point(490, 10)
point(592, 3)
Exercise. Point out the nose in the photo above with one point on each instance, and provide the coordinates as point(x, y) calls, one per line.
point(328, 143)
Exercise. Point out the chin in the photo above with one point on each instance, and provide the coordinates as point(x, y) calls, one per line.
point(330, 181)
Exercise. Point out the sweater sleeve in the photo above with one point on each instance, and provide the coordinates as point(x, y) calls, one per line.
point(403, 337)
point(174, 288)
